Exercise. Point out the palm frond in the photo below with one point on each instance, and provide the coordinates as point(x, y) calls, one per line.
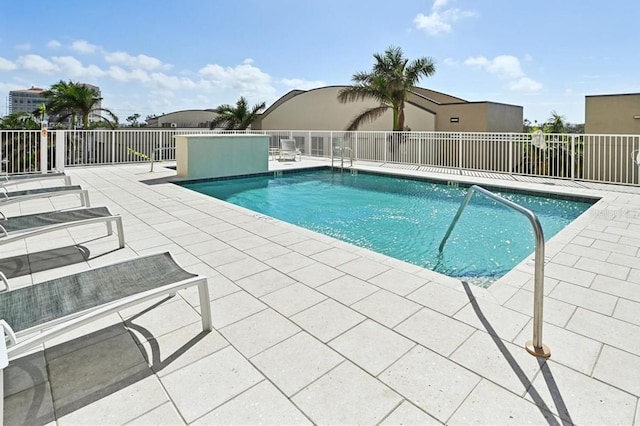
point(367, 116)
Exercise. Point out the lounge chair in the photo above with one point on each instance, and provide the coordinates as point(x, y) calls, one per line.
point(9, 197)
point(63, 304)
point(288, 150)
point(18, 178)
point(18, 227)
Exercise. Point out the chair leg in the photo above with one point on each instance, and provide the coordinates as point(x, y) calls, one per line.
point(205, 306)
point(120, 232)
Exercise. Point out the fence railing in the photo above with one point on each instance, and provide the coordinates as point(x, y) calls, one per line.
point(600, 158)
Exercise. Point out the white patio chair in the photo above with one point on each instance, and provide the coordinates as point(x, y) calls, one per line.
point(288, 150)
point(9, 197)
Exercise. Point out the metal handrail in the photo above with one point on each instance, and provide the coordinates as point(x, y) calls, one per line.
point(155, 151)
point(342, 150)
point(535, 346)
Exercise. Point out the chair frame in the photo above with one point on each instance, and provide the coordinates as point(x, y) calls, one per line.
point(54, 191)
point(19, 178)
point(70, 322)
point(8, 237)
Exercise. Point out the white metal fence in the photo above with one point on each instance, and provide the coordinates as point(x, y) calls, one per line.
point(601, 158)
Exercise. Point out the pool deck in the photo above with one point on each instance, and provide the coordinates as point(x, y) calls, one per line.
point(311, 330)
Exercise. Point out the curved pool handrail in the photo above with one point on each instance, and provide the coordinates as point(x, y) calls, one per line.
point(535, 346)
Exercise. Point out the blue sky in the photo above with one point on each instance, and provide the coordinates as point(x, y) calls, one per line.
point(151, 57)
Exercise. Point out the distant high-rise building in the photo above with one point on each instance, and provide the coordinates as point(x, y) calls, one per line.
point(27, 100)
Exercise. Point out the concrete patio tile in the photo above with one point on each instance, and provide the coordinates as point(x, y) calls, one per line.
point(292, 299)
point(265, 282)
point(117, 407)
point(288, 238)
point(489, 404)
point(492, 318)
point(347, 289)
point(603, 268)
point(334, 256)
point(146, 243)
point(88, 334)
point(327, 319)
point(627, 310)
point(289, 262)
point(258, 332)
point(161, 319)
point(309, 247)
point(209, 382)
point(222, 257)
point(398, 281)
point(371, 346)
point(236, 234)
point(569, 274)
point(624, 289)
point(296, 362)
point(172, 247)
point(502, 362)
point(363, 268)
point(605, 329)
point(234, 307)
point(620, 369)
point(555, 311)
point(347, 395)
point(32, 406)
point(267, 251)
point(584, 297)
point(621, 247)
point(210, 245)
point(247, 242)
point(387, 308)
point(242, 268)
point(93, 371)
point(582, 399)
point(181, 347)
point(262, 404)
point(634, 276)
point(435, 331)
point(565, 259)
point(409, 414)
point(430, 381)
point(589, 252)
point(193, 238)
point(439, 298)
point(315, 274)
point(165, 414)
point(25, 372)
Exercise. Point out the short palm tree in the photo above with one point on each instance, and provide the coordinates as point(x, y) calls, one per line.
point(390, 81)
point(238, 117)
point(20, 121)
point(71, 100)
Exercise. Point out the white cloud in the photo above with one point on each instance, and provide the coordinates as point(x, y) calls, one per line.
point(54, 44)
point(506, 67)
point(23, 46)
point(37, 63)
point(525, 84)
point(140, 61)
point(298, 83)
point(246, 79)
point(7, 65)
point(440, 19)
point(74, 68)
point(83, 46)
point(119, 74)
point(502, 65)
point(450, 62)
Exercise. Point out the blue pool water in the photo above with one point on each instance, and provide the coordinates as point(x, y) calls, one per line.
point(404, 219)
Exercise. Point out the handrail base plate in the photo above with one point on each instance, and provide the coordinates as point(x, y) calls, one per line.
point(543, 352)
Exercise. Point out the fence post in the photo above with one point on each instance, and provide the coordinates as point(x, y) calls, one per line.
point(113, 147)
point(61, 149)
point(44, 139)
point(384, 158)
point(510, 154)
point(459, 153)
point(573, 156)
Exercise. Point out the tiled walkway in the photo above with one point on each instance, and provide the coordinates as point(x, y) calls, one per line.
point(310, 330)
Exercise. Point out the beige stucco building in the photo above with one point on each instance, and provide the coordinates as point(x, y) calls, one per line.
point(612, 114)
point(184, 119)
point(425, 110)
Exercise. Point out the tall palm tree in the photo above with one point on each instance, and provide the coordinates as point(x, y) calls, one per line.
point(390, 81)
point(71, 100)
point(238, 117)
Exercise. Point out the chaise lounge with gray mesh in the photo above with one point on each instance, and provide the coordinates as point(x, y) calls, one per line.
point(19, 178)
point(63, 304)
point(9, 197)
point(18, 227)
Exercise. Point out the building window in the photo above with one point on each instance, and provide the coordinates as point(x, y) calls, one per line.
point(317, 145)
point(454, 120)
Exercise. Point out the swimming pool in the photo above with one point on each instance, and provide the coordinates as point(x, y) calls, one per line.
point(403, 218)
